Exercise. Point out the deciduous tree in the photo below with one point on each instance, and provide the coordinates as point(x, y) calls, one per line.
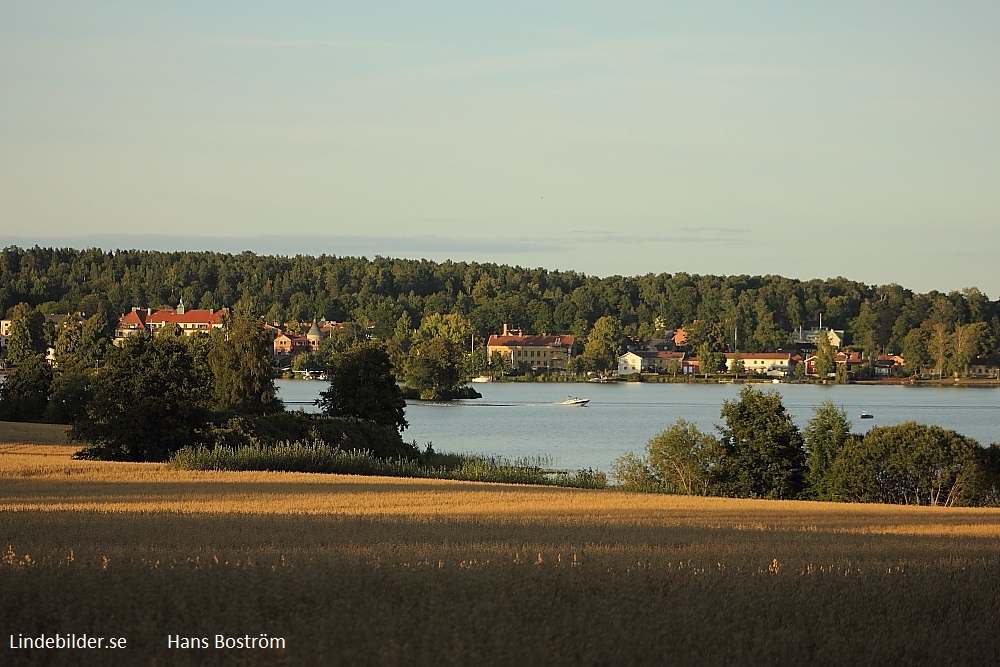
point(149, 400)
point(604, 343)
point(762, 448)
point(684, 458)
point(363, 386)
point(908, 464)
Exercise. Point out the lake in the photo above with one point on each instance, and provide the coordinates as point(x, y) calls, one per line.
point(522, 419)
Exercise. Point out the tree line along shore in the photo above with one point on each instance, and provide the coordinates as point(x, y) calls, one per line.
point(208, 400)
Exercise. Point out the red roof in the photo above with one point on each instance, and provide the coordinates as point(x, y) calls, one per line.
point(531, 341)
point(760, 355)
point(132, 319)
point(188, 317)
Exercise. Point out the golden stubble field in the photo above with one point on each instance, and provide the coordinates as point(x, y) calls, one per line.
point(374, 571)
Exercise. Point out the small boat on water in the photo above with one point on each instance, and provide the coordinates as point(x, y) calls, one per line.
point(866, 415)
point(575, 402)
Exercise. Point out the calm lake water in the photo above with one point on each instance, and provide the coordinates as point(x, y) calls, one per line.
point(523, 420)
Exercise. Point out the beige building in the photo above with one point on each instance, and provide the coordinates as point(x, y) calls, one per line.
point(551, 353)
point(189, 321)
point(765, 363)
point(649, 361)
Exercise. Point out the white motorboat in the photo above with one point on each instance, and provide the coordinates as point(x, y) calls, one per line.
point(575, 402)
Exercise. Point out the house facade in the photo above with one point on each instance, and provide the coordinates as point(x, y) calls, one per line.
point(4, 332)
point(550, 353)
point(190, 322)
point(778, 364)
point(811, 336)
point(290, 344)
point(649, 361)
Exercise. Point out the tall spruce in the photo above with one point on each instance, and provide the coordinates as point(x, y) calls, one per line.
point(240, 359)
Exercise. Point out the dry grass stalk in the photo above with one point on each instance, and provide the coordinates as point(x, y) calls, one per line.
point(360, 570)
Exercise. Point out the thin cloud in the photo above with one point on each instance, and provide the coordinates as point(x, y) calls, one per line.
point(301, 43)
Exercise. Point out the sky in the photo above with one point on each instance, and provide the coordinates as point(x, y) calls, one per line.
point(808, 140)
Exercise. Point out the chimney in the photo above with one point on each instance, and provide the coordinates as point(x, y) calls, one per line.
point(504, 329)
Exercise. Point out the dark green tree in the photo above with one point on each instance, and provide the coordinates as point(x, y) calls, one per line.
point(909, 464)
point(24, 393)
point(27, 334)
point(363, 386)
point(149, 400)
point(240, 359)
point(604, 343)
point(762, 453)
point(70, 392)
point(826, 434)
point(433, 367)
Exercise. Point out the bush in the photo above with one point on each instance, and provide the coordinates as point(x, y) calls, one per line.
point(346, 433)
point(317, 456)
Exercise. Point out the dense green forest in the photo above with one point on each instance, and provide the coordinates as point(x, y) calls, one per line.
point(942, 330)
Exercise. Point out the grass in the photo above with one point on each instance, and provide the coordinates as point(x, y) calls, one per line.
point(318, 457)
point(386, 571)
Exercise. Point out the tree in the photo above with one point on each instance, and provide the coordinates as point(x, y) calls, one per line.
point(499, 365)
point(240, 359)
point(69, 333)
point(26, 337)
point(762, 448)
point(708, 361)
point(633, 473)
point(939, 346)
point(915, 350)
point(604, 343)
point(965, 345)
point(864, 329)
point(737, 366)
point(149, 400)
point(684, 458)
point(825, 435)
point(908, 464)
point(24, 394)
point(455, 328)
point(433, 367)
point(70, 392)
point(841, 374)
point(362, 385)
point(824, 364)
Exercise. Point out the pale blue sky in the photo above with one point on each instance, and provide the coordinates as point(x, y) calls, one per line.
point(856, 138)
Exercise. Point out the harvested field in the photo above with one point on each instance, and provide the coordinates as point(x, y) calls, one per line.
point(352, 570)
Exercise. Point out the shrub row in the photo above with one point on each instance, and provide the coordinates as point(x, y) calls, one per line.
point(317, 456)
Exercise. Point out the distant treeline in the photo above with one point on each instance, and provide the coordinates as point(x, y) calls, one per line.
point(727, 312)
